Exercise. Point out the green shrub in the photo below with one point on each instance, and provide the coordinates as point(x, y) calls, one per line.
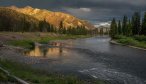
point(120, 37)
point(138, 41)
point(140, 38)
point(128, 41)
point(22, 43)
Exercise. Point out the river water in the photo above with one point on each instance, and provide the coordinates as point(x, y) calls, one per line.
point(94, 57)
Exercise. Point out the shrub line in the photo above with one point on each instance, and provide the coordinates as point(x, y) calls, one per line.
point(117, 43)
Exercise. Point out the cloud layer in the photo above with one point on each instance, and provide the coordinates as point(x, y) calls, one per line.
point(101, 10)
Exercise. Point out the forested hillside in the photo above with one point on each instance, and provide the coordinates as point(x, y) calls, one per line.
point(11, 20)
point(54, 18)
point(14, 21)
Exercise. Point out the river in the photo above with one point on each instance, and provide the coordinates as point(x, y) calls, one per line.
point(94, 57)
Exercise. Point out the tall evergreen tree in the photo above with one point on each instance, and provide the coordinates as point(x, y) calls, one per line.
point(136, 23)
point(44, 26)
point(23, 22)
point(119, 28)
point(113, 28)
point(143, 30)
point(52, 28)
point(124, 25)
point(129, 29)
point(61, 27)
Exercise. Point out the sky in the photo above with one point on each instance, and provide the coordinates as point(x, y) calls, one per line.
point(91, 10)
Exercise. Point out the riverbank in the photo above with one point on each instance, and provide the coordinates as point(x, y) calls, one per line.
point(138, 42)
point(33, 76)
point(26, 40)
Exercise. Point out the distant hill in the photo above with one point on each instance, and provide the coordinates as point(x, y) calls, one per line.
point(54, 18)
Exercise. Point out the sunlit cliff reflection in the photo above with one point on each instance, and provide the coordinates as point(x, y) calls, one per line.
point(50, 52)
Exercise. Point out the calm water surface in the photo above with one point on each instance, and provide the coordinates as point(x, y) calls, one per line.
point(94, 57)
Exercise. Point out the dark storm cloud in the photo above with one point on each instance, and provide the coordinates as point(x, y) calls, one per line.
point(86, 9)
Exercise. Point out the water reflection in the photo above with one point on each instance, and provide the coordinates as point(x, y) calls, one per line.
point(57, 44)
point(35, 52)
point(52, 50)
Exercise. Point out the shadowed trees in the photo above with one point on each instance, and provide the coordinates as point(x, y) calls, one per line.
point(143, 29)
point(129, 26)
point(113, 30)
point(136, 24)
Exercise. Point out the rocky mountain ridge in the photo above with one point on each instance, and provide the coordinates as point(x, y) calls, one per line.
point(54, 18)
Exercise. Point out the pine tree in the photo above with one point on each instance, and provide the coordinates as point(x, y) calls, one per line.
point(119, 28)
point(124, 25)
point(129, 29)
point(48, 27)
point(61, 27)
point(41, 26)
point(44, 26)
point(113, 28)
point(136, 24)
point(52, 29)
point(23, 22)
point(143, 30)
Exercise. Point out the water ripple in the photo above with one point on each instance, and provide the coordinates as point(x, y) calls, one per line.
point(112, 75)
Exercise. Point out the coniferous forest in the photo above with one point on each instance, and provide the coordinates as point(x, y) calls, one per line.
point(129, 26)
point(130, 31)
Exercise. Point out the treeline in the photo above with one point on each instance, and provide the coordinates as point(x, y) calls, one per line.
point(42, 26)
point(13, 21)
point(129, 26)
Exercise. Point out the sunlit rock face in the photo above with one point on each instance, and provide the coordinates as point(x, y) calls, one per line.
point(53, 18)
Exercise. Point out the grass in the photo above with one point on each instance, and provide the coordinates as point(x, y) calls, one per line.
point(4, 77)
point(27, 42)
point(40, 77)
point(21, 43)
point(138, 41)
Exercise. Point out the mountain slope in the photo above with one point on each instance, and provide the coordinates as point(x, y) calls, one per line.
point(11, 19)
point(54, 18)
